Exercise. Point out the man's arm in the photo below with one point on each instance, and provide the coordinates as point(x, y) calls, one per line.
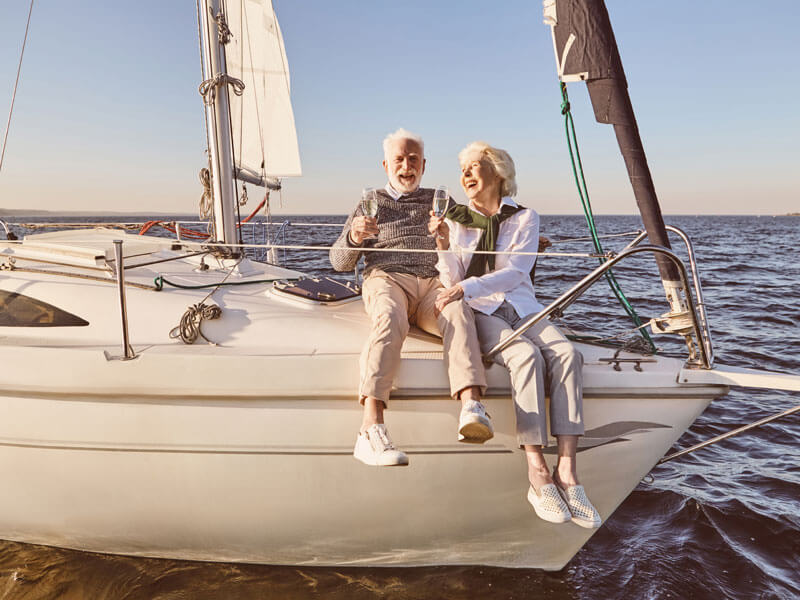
point(344, 254)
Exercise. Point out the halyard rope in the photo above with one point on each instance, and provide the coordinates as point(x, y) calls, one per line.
point(583, 193)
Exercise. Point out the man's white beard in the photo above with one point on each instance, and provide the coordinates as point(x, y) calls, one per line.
point(402, 188)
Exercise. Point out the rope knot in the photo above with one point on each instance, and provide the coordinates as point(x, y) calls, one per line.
point(223, 31)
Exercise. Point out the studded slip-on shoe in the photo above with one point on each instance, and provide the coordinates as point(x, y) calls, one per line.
point(582, 510)
point(548, 504)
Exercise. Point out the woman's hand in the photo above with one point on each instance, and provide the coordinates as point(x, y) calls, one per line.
point(446, 296)
point(438, 228)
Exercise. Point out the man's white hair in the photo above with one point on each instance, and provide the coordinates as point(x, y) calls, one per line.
point(401, 134)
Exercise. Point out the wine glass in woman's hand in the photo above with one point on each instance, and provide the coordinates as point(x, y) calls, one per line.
point(441, 201)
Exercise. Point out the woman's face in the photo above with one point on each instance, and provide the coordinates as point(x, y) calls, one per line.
point(478, 177)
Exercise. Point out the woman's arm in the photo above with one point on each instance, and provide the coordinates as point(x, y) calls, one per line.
point(449, 264)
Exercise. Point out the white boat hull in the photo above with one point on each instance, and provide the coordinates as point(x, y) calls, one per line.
point(243, 452)
point(273, 481)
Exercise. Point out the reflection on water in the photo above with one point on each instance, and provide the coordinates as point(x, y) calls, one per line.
point(721, 523)
point(72, 575)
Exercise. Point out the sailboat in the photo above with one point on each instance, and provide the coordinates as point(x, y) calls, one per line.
point(119, 437)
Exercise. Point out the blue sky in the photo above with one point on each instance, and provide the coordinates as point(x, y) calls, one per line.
point(108, 116)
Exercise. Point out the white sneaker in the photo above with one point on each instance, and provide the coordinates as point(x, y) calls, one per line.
point(548, 504)
point(583, 512)
point(374, 447)
point(474, 426)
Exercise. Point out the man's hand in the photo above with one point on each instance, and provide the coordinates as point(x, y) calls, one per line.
point(363, 228)
point(544, 243)
point(438, 228)
point(446, 296)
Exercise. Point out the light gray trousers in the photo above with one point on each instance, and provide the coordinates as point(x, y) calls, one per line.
point(541, 354)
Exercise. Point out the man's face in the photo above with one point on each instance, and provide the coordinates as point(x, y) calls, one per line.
point(404, 165)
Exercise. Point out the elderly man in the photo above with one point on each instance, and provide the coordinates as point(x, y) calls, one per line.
point(399, 290)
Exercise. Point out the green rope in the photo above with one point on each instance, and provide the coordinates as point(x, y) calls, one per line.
point(160, 281)
point(583, 193)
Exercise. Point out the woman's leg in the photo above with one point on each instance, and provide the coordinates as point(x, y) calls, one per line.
point(566, 468)
point(526, 367)
point(564, 377)
point(538, 472)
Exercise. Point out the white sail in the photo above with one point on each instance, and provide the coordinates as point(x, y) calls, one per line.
point(264, 136)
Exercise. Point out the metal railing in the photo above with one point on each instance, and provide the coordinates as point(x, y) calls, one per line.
point(705, 358)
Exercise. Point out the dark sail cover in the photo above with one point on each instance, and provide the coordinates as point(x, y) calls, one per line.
point(586, 50)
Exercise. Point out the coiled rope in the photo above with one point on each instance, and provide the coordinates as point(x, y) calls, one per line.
point(208, 89)
point(206, 199)
point(189, 328)
point(583, 193)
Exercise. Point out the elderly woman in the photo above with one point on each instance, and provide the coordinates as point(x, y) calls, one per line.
point(500, 291)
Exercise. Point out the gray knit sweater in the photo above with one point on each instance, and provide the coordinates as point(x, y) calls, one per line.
point(402, 224)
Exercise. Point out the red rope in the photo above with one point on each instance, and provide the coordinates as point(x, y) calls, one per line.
point(191, 233)
point(185, 232)
point(258, 208)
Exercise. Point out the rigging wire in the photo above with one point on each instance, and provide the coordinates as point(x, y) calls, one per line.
point(206, 202)
point(16, 84)
point(583, 193)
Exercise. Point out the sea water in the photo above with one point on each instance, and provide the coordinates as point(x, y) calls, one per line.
point(723, 522)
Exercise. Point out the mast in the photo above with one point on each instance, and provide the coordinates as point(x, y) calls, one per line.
point(586, 50)
point(213, 34)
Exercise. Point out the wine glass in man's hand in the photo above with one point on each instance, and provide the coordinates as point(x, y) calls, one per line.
point(441, 202)
point(369, 205)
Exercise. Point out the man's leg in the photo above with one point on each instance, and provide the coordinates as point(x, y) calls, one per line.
point(456, 326)
point(386, 304)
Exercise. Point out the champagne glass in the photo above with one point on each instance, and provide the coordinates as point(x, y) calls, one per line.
point(441, 202)
point(369, 203)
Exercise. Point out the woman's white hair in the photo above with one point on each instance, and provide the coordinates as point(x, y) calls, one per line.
point(501, 162)
point(401, 134)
